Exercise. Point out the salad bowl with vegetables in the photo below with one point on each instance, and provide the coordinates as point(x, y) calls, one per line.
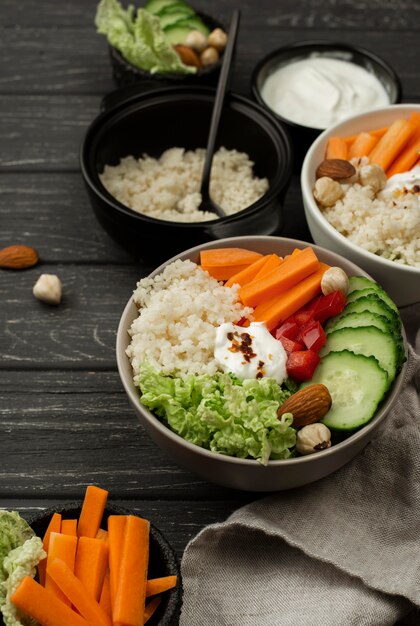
point(261, 363)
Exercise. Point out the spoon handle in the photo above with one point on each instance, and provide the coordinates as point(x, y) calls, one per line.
point(222, 85)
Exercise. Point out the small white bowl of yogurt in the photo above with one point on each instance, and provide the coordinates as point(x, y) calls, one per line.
point(314, 85)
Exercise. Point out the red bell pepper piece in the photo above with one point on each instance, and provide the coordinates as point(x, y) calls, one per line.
point(313, 336)
point(313, 303)
point(301, 365)
point(288, 330)
point(290, 345)
point(328, 306)
point(303, 317)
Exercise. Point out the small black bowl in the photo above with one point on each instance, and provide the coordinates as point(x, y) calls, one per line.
point(163, 560)
point(150, 123)
point(124, 73)
point(303, 136)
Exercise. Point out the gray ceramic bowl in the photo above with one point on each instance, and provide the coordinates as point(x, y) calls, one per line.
point(402, 282)
point(248, 474)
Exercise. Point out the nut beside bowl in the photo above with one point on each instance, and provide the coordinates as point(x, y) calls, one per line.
point(247, 474)
point(400, 281)
point(180, 117)
point(303, 135)
point(163, 559)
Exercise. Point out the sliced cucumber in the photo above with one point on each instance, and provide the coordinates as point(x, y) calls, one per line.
point(154, 6)
point(176, 33)
point(364, 318)
point(170, 18)
point(374, 304)
point(372, 288)
point(196, 23)
point(369, 341)
point(356, 383)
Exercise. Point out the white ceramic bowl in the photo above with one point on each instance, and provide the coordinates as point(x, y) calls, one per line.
point(248, 474)
point(402, 282)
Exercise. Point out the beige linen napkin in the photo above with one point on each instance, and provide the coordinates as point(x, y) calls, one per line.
point(342, 551)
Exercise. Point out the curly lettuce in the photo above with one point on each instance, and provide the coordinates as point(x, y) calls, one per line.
point(222, 413)
point(138, 36)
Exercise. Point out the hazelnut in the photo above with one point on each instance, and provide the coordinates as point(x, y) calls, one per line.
point(334, 279)
point(217, 39)
point(327, 191)
point(373, 176)
point(313, 438)
point(196, 40)
point(48, 289)
point(209, 56)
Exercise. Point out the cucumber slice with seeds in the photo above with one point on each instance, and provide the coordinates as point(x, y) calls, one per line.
point(369, 341)
point(360, 286)
point(357, 385)
point(372, 303)
point(364, 318)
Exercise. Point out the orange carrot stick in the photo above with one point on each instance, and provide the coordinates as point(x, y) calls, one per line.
point(131, 591)
point(223, 272)
point(336, 148)
point(91, 564)
point(390, 145)
point(159, 585)
point(377, 132)
point(289, 302)
point(64, 548)
point(34, 600)
point(151, 608)
point(74, 589)
point(272, 262)
point(224, 257)
point(407, 157)
point(362, 145)
point(105, 599)
point(69, 527)
point(248, 273)
point(102, 534)
point(116, 525)
point(53, 527)
point(282, 278)
point(92, 510)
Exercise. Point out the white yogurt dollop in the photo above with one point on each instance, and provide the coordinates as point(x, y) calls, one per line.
point(406, 181)
point(321, 91)
point(250, 352)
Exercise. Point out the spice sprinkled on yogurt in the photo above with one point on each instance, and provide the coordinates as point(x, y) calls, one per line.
point(250, 352)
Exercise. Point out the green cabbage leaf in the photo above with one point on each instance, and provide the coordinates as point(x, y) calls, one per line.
point(222, 413)
point(138, 36)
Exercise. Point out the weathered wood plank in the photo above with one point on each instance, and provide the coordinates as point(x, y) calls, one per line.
point(65, 429)
point(348, 15)
point(52, 212)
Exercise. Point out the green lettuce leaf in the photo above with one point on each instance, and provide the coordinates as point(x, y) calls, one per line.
point(222, 413)
point(139, 37)
point(19, 562)
point(14, 531)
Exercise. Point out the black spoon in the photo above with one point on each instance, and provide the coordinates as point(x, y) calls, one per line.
point(207, 203)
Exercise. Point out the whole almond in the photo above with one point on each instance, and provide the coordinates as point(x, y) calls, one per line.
point(18, 257)
point(308, 405)
point(188, 55)
point(337, 169)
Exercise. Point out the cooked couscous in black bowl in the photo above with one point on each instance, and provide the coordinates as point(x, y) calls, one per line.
point(155, 121)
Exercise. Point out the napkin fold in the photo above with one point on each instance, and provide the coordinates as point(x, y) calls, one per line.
point(342, 551)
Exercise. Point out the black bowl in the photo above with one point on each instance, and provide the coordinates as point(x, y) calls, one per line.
point(163, 560)
point(303, 136)
point(124, 73)
point(154, 121)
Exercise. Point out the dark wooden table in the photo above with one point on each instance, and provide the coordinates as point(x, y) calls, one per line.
point(65, 421)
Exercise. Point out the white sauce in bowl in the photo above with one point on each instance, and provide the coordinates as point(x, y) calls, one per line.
point(321, 91)
point(250, 352)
